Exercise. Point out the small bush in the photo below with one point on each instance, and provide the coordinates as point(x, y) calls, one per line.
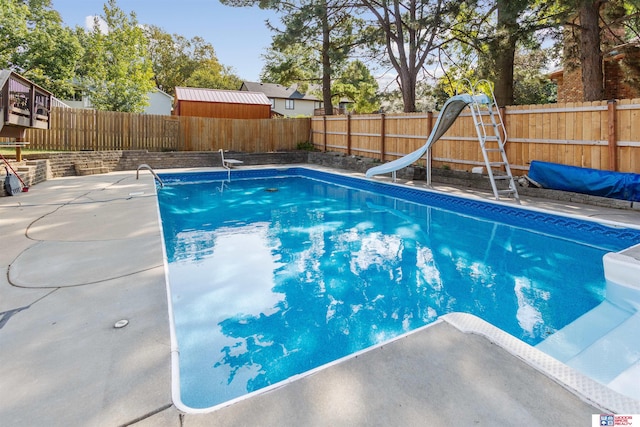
point(305, 146)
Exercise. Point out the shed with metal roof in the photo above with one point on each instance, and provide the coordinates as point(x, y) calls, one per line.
point(216, 103)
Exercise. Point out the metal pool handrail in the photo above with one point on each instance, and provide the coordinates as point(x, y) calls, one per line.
point(155, 175)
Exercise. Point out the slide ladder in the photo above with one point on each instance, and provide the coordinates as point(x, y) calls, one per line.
point(492, 135)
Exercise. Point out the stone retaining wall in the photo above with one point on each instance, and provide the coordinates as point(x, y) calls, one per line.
point(130, 160)
point(40, 167)
point(64, 163)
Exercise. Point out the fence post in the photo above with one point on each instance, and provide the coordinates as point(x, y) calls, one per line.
point(324, 133)
point(429, 158)
point(348, 134)
point(613, 142)
point(382, 137)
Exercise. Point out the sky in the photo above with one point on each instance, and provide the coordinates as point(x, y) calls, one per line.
point(238, 34)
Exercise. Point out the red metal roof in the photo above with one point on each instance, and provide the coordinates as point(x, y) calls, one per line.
point(221, 96)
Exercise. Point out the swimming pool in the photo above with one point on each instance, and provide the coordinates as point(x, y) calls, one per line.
point(280, 271)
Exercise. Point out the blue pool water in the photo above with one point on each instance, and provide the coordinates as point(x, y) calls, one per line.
point(278, 272)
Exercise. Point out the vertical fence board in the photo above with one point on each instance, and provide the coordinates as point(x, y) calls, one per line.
point(634, 135)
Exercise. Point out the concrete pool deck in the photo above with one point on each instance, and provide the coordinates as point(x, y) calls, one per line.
point(82, 253)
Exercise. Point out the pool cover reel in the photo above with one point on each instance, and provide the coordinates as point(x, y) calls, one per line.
point(13, 184)
point(615, 185)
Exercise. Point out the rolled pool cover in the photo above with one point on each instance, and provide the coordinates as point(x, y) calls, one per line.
point(615, 185)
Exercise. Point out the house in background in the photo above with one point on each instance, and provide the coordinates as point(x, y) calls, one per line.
point(620, 63)
point(285, 101)
point(160, 103)
point(570, 81)
point(225, 104)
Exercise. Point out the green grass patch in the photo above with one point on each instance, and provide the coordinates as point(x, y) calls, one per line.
point(9, 151)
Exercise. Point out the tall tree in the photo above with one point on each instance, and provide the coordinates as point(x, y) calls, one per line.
point(597, 28)
point(503, 47)
point(411, 32)
point(36, 44)
point(590, 49)
point(327, 27)
point(497, 29)
point(116, 70)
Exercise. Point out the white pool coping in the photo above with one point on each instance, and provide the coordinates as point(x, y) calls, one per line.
point(586, 388)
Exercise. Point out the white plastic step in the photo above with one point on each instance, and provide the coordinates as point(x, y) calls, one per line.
point(612, 354)
point(628, 382)
point(584, 331)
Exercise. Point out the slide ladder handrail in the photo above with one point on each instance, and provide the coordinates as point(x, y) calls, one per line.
point(492, 135)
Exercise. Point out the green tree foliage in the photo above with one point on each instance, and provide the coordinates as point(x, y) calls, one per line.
point(531, 85)
point(211, 74)
point(178, 61)
point(358, 85)
point(629, 41)
point(328, 28)
point(169, 58)
point(296, 67)
point(116, 72)
point(489, 36)
point(291, 64)
point(13, 29)
point(595, 30)
point(116, 66)
point(37, 45)
point(530, 82)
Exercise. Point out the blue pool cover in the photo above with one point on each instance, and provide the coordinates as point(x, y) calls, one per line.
point(615, 185)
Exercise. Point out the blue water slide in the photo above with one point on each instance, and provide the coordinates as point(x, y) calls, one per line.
point(449, 113)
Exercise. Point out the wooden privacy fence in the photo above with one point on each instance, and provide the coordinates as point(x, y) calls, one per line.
point(599, 135)
point(77, 129)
